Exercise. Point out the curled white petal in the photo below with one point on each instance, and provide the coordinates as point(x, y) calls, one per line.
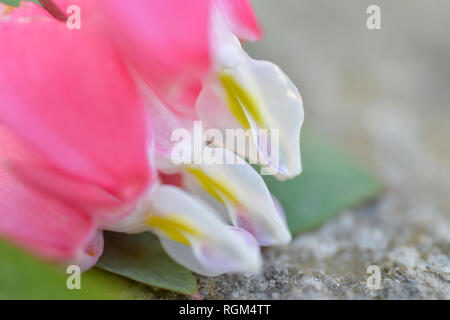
point(242, 190)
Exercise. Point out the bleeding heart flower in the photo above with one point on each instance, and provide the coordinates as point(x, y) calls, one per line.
point(93, 111)
point(237, 92)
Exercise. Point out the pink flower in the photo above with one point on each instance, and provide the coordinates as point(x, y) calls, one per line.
point(91, 111)
point(70, 100)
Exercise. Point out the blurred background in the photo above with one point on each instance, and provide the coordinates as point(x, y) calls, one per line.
point(384, 95)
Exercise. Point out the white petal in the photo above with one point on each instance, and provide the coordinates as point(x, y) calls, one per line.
point(165, 123)
point(185, 256)
point(282, 106)
point(242, 190)
point(136, 220)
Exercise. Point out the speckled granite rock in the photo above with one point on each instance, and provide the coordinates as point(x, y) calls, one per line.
point(384, 95)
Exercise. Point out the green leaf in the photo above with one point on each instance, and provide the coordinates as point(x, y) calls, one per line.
point(331, 182)
point(141, 258)
point(15, 3)
point(25, 277)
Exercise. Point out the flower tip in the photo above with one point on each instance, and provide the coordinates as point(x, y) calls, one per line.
point(253, 264)
point(284, 175)
point(256, 35)
point(285, 238)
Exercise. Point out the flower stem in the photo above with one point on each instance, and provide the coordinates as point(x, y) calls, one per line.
point(53, 9)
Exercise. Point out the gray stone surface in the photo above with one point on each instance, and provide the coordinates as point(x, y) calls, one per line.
point(385, 96)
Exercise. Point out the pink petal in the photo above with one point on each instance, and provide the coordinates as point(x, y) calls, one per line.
point(67, 94)
point(166, 42)
point(241, 19)
point(83, 195)
point(43, 225)
point(89, 253)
